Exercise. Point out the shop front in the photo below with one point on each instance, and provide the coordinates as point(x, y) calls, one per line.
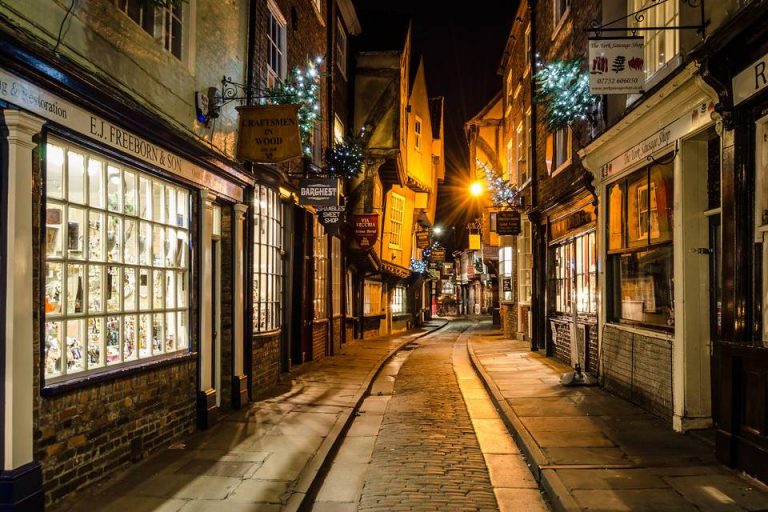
point(117, 346)
point(659, 250)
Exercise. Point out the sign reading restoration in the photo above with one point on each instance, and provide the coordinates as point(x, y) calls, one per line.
point(319, 192)
point(268, 133)
point(616, 65)
point(366, 228)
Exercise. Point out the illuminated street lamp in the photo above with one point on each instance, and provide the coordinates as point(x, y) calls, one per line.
point(476, 189)
point(437, 230)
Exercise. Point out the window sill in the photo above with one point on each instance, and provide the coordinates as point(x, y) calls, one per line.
point(320, 321)
point(267, 334)
point(110, 374)
point(660, 332)
point(560, 168)
point(561, 22)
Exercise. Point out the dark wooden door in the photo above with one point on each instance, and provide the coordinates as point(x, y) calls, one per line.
point(300, 313)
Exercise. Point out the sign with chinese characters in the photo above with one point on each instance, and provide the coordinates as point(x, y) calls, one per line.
point(422, 239)
point(366, 228)
point(508, 223)
point(750, 81)
point(319, 192)
point(331, 218)
point(438, 255)
point(662, 139)
point(53, 108)
point(616, 65)
point(268, 133)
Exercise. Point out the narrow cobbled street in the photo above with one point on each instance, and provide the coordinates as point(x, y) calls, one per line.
point(439, 444)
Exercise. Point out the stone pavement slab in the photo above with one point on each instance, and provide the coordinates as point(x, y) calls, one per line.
point(265, 457)
point(594, 451)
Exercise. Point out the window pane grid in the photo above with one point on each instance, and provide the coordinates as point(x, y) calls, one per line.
point(396, 220)
point(268, 271)
point(91, 269)
point(321, 270)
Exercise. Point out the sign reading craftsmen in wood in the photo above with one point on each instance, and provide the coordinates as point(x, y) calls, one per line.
point(268, 133)
point(508, 223)
point(331, 218)
point(319, 192)
point(422, 239)
point(616, 65)
point(366, 228)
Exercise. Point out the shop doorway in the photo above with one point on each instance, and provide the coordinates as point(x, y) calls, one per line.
point(301, 298)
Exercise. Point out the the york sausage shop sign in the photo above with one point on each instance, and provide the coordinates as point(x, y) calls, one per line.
point(366, 228)
point(508, 223)
point(422, 239)
point(319, 192)
point(331, 218)
point(268, 133)
point(616, 65)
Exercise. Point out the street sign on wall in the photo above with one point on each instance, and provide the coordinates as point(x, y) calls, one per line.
point(508, 223)
point(422, 239)
point(616, 65)
point(366, 228)
point(319, 192)
point(268, 133)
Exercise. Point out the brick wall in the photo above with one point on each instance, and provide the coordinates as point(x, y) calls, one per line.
point(593, 365)
point(371, 325)
point(266, 363)
point(337, 334)
point(509, 320)
point(523, 327)
point(226, 334)
point(561, 341)
point(319, 340)
point(638, 368)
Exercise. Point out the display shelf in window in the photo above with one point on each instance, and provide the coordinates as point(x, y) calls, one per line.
point(158, 246)
point(158, 333)
point(113, 292)
point(53, 352)
point(145, 198)
point(181, 289)
point(170, 206)
point(113, 339)
point(75, 289)
point(75, 349)
point(170, 292)
point(144, 289)
point(130, 193)
point(54, 232)
point(158, 202)
point(129, 289)
point(145, 335)
point(54, 286)
point(95, 183)
point(158, 301)
point(75, 233)
point(170, 332)
point(114, 238)
point(114, 189)
point(95, 342)
point(145, 243)
point(95, 288)
point(171, 245)
point(130, 346)
point(76, 177)
point(130, 241)
point(54, 170)
point(95, 236)
point(183, 330)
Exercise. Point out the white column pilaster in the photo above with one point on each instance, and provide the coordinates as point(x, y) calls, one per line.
point(18, 267)
point(206, 290)
point(239, 288)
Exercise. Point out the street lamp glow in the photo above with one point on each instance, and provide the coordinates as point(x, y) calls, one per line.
point(437, 230)
point(476, 189)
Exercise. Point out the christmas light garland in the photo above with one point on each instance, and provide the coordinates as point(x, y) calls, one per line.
point(302, 87)
point(345, 160)
point(419, 266)
point(503, 193)
point(563, 88)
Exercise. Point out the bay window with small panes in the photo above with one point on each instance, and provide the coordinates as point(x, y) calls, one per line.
point(640, 251)
point(116, 245)
point(320, 251)
point(573, 276)
point(267, 260)
point(506, 273)
point(398, 300)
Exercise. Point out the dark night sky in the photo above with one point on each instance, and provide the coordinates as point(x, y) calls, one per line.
point(462, 44)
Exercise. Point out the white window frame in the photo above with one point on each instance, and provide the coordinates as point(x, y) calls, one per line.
point(152, 20)
point(398, 300)
point(372, 298)
point(660, 15)
point(522, 159)
point(336, 275)
point(559, 16)
point(338, 130)
point(280, 46)
point(560, 138)
point(92, 247)
point(320, 249)
point(527, 50)
point(510, 159)
point(396, 217)
point(341, 47)
point(506, 270)
point(417, 128)
point(267, 260)
point(524, 262)
point(528, 144)
point(509, 91)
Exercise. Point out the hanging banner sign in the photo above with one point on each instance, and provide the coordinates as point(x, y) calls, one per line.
point(616, 65)
point(366, 228)
point(268, 133)
point(474, 242)
point(438, 255)
point(319, 192)
point(422, 239)
point(331, 217)
point(508, 223)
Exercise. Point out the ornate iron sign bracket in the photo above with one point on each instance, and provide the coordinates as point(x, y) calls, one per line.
point(639, 17)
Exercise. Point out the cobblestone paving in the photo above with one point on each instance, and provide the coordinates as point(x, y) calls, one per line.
point(427, 457)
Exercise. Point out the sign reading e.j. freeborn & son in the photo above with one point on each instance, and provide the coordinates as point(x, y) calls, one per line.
point(319, 192)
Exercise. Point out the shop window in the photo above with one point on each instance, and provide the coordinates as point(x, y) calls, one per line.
point(524, 262)
point(276, 45)
point(661, 44)
point(397, 213)
point(321, 271)
point(417, 132)
point(164, 23)
point(574, 276)
point(336, 274)
point(640, 247)
point(267, 260)
point(107, 302)
point(398, 300)
point(506, 271)
point(372, 298)
point(341, 47)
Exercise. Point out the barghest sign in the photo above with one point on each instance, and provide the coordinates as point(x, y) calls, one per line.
point(366, 228)
point(319, 192)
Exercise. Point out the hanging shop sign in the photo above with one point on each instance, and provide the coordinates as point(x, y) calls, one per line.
point(750, 81)
point(331, 218)
point(474, 241)
point(268, 133)
point(616, 65)
point(319, 192)
point(366, 227)
point(508, 223)
point(422, 239)
point(662, 139)
point(506, 284)
point(49, 106)
point(438, 255)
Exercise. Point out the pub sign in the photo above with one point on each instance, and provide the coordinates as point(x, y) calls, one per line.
point(366, 228)
point(422, 239)
point(319, 192)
